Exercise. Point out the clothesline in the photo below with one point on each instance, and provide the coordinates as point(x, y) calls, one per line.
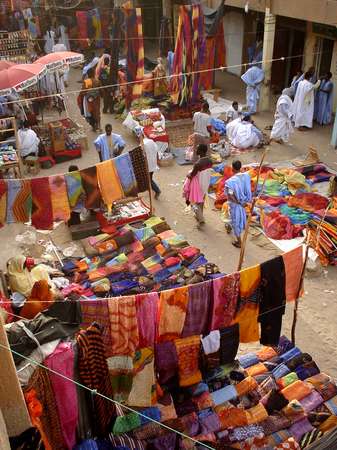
point(95, 392)
point(166, 77)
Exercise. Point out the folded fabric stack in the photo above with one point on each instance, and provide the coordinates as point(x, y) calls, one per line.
point(140, 257)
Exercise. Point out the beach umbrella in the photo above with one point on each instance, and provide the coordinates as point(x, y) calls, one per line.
point(19, 77)
point(4, 64)
point(54, 61)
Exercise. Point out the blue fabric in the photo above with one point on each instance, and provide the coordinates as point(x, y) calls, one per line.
point(101, 144)
point(248, 360)
point(151, 413)
point(126, 174)
point(89, 444)
point(198, 262)
point(324, 102)
point(162, 275)
point(219, 126)
point(291, 354)
point(253, 78)
point(121, 287)
point(13, 188)
point(240, 187)
point(280, 371)
point(224, 395)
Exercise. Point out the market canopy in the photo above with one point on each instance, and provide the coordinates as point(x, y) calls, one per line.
point(4, 64)
point(20, 77)
point(54, 61)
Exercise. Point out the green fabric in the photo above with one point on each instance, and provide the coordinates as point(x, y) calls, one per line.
point(124, 424)
point(289, 379)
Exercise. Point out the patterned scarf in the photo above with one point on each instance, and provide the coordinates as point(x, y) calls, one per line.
point(90, 186)
point(59, 198)
point(22, 206)
point(42, 212)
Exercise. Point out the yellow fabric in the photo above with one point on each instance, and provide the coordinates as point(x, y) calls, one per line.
point(144, 380)
point(109, 184)
point(20, 280)
point(247, 315)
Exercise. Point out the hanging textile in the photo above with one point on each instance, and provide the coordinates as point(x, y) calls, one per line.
point(82, 27)
point(42, 212)
point(96, 26)
point(139, 163)
point(124, 327)
point(3, 201)
point(59, 198)
point(126, 174)
point(165, 38)
point(22, 206)
point(109, 184)
point(90, 186)
point(117, 37)
point(13, 189)
point(134, 53)
point(75, 190)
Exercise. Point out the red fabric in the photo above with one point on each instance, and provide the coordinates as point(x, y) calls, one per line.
point(278, 226)
point(150, 132)
point(42, 212)
point(308, 201)
point(81, 17)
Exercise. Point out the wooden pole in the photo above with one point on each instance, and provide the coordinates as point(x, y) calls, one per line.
point(250, 214)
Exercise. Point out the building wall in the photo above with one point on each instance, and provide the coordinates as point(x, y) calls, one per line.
point(234, 29)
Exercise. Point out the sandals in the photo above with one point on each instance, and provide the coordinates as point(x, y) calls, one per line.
point(236, 244)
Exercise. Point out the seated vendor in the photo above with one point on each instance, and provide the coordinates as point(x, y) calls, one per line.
point(242, 133)
point(40, 299)
point(28, 141)
point(109, 145)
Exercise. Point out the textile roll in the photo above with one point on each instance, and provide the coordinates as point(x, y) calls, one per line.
point(139, 165)
point(188, 360)
point(75, 189)
point(172, 313)
point(126, 174)
point(13, 189)
point(59, 198)
point(90, 186)
point(3, 201)
point(109, 184)
point(42, 212)
point(225, 298)
point(124, 327)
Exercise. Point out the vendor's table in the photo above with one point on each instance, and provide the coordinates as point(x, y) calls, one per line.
point(9, 148)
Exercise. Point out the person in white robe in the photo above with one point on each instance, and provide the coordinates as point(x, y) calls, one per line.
point(63, 36)
point(64, 72)
point(253, 78)
point(304, 103)
point(283, 128)
point(49, 39)
point(243, 133)
point(28, 141)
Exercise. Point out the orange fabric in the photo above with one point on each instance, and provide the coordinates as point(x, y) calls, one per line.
point(232, 417)
point(257, 369)
point(39, 300)
point(296, 391)
point(188, 360)
point(35, 412)
point(256, 414)
point(328, 424)
point(123, 325)
point(293, 263)
point(172, 313)
point(109, 184)
point(246, 385)
point(266, 353)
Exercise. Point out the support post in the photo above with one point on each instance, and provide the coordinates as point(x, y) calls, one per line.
point(268, 51)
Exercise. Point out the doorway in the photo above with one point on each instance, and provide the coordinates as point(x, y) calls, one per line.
point(323, 57)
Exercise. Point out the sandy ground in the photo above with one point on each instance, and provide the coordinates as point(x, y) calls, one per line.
point(316, 326)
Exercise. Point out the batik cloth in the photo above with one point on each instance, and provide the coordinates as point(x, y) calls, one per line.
point(42, 212)
point(147, 312)
point(62, 362)
point(312, 401)
point(121, 375)
point(172, 312)
point(76, 194)
point(248, 307)
point(166, 361)
point(299, 428)
point(123, 325)
point(247, 385)
point(256, 414)
point(19, 200)
point(126, 174)
point(139, 168)
point(109, 184)
point(198, 309)
point(59, 198)
point(143, 384)
point(225, 298)
point(188, 360)
point(90, 187)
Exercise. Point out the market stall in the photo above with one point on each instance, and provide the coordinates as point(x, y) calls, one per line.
point(14, 46)
point(10, 159)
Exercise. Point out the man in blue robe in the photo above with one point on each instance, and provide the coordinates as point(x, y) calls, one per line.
point(253, 78)
point(109, 145)
point(324, 101)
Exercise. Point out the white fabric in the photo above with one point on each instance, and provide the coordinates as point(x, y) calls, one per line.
point(304, 104)
point(241, 134)
point(204, 178)
point(63, 39)
point(201, 121)
point(49, 38)
point(151, 151)
point(211, 343)
point(282, 128)
point(59, 48)
point(232, 114)
point(28, 142)
point(231, 127)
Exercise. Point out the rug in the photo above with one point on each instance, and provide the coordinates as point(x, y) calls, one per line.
point(179, 155)
point(179, 134)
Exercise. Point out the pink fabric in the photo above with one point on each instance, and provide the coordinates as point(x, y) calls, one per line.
point(225, 298)
point(62, 361)
point(192, 190)
point(147, 312)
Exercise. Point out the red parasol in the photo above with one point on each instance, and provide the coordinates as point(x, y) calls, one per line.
point(54, 61)
point(20, 77)
point(4, 64)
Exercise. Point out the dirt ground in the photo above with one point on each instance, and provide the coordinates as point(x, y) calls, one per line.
point(316, 326)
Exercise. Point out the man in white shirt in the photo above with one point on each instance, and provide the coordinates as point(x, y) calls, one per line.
point(151, 151)
point(28, 141)
point(304, 103)
point(202, 121)
point(233, 112)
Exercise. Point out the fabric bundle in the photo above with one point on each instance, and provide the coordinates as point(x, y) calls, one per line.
point(59, 198)
point(42, 212)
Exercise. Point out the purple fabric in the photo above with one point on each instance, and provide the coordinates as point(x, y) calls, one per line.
point(191, 424)
point(284, 345)
point(147, 311)
point(166, 442)
point(298, 429)
point(198, 309)
point(209, 422)
point(311, 402)
point(166, 360)
point(62, 362)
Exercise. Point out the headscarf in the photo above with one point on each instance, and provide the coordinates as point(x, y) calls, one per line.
point(20, 279)
point(39, 299)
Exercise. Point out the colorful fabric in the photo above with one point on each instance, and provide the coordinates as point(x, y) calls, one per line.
point(247, 385)
point(75, 190)
point(312, 401)
point(332, 405)
point(225, 298)
point(299, 428)
point(294, 411)
point(248, 360)
point(198, 309)
point(147, 312)
point(324, 384)
point(166, 361)
point(90, 187)
point(59, 198)
point(296, 391)
point(172, 312)
point(42, 212)
point(124, 424)
point(139, 168)
point(289, 444)
point(188, 360)
point(3, 201)
point(123, 325)
point(109, 184)
point(257, 369)
point(126, 174)
point(134, 53)
point(224, 395)
point(13, 189)
point(144, 379)
point(287, 380)
point(256, 414)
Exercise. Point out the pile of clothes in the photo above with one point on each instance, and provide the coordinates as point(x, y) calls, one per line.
point(138, 257)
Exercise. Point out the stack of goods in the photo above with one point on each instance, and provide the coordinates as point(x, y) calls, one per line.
point(13, 46)
point(7, 154)
point(323, 238)
point(52, 199)
point(139, 257)
point(151, 121)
